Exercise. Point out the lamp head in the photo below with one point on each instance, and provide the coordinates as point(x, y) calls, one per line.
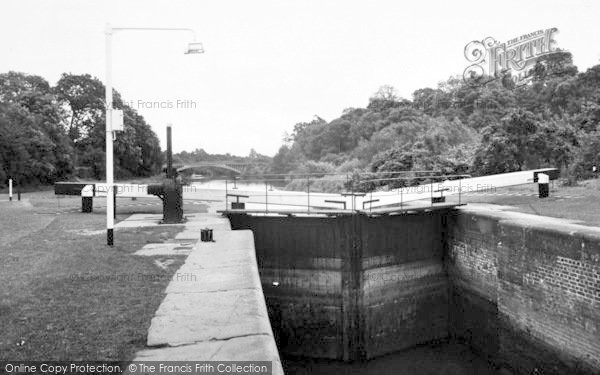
point(194, 48)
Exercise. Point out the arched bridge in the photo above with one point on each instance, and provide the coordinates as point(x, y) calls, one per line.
point(232, 166)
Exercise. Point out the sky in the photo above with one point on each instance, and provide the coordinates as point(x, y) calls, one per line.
point(271, 64)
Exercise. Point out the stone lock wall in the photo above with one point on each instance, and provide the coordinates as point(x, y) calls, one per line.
point(403, 284)
point(304, 268)
point(351, 287)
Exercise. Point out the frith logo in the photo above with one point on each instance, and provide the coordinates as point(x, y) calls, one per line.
point(493, 60)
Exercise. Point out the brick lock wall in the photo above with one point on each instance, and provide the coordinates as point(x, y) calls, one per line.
point(530, 287)
point(523, 291)
point(472, 267)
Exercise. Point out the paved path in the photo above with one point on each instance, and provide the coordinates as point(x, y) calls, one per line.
point(214, 308)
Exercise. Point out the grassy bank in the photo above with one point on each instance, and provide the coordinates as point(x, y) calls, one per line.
point(579, 203)
point(64, 294)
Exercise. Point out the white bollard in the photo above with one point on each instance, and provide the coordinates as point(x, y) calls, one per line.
point(87, 200)
point(10, 189)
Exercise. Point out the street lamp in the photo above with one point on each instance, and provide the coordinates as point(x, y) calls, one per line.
point(193, 48)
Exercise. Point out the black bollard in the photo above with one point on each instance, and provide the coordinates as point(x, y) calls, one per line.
point(87, 204)
point(206, 235)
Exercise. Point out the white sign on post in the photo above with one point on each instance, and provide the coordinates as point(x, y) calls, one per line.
point(117, 120)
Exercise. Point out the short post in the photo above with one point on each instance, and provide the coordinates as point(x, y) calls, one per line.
point(10, 189)
point(226, 195)
point(431, 189)
point(266, 197)
point(401, 198)
point(543, 185)
point(308, 193)
point(87, 200)
point(352, 194)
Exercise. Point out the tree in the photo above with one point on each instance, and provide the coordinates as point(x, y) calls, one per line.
point(26, 152)
point(337, 137)
point(383, 99)
point(83, 98)
point(588, 156)
point(392, 160)
point(306, 137)
point(39, 121)
point(285, 160)
point(522, 140)
point(137, 149)
point(494, 126)
point(558, 65)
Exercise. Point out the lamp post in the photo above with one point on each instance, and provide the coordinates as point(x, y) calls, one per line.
point(193, 48)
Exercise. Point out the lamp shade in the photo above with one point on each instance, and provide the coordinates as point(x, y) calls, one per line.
point(194, 48)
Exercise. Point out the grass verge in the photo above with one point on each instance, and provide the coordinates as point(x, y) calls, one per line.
point(64, 295)
point(580, 203)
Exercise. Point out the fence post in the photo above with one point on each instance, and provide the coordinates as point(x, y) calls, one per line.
point(352, 195)
point(308, 195)
point(431, 190)
point(401, 198)
point(266, 197)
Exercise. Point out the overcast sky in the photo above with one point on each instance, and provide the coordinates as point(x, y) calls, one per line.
point(271, 64)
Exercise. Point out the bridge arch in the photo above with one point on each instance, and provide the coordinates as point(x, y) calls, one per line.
point(211, 166)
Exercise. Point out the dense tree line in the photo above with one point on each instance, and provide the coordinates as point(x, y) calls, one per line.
point(461, 127)
point(54, 133)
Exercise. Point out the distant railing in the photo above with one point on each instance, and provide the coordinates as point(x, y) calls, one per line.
point(333, 192)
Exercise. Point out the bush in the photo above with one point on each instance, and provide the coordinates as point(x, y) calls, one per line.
point(587, 157)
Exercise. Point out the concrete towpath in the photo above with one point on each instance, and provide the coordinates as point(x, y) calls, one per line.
point(214, 308)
